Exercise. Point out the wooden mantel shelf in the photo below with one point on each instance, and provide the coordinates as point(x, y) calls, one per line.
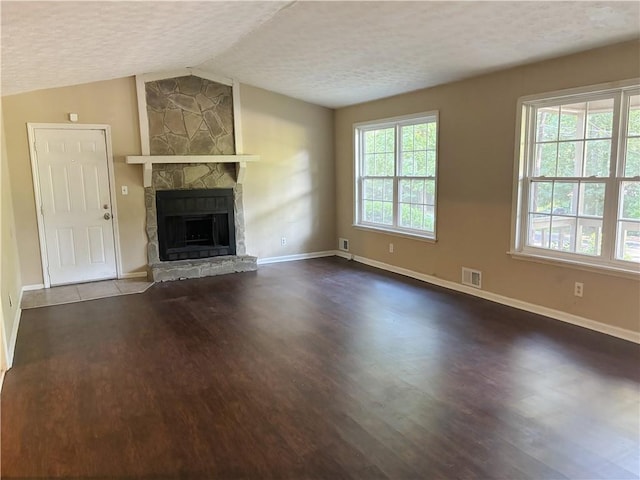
point(147, 162)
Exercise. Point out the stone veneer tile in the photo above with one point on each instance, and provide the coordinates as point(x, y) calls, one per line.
point(190, 116)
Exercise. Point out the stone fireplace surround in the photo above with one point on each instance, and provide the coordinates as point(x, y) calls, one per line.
point(191, 139)
point(189, 176)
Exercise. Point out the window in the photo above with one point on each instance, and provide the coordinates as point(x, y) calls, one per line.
point(579, 178)
point(396, 165)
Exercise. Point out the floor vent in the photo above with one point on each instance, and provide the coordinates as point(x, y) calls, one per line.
point(470, 277)
point(343, 244)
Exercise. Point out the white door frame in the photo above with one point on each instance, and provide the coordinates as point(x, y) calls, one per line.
point(31, 128)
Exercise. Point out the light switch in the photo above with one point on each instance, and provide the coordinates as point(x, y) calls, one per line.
point(125, 190)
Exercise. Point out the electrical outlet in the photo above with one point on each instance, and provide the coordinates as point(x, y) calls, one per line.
point(578, 289)
point(391, 248)
point(283, 241)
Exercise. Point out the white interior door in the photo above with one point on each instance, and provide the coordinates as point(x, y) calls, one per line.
point(76, 204)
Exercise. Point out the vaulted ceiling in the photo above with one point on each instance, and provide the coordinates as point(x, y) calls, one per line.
point(329, 53)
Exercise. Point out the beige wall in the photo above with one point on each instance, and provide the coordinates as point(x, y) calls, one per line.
point(289, 193)
point(10, 282)
point(476, 164)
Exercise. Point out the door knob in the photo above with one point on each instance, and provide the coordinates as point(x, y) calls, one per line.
point(107, 216)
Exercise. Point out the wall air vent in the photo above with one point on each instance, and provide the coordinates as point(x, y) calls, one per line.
point(470, 277)
point(343, 244)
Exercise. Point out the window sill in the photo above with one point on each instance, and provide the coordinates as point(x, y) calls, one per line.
point(395, 233)
point(613, 270)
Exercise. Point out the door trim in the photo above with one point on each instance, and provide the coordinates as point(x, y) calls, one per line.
point(31, 135)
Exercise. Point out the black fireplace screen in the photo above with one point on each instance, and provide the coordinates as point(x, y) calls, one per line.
point(195, 223)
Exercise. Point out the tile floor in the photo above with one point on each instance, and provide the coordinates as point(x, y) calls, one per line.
point(83, 291)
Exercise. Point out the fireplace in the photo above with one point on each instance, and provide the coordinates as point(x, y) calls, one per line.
point(195, 223)
point(193, 175)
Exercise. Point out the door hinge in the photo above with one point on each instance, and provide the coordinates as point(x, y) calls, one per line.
point(41, 210)
point(35, 147)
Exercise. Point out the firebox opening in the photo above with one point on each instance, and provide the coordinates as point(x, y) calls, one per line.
point(195, 223)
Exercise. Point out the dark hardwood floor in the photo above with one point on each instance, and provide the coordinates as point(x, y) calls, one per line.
point(315, 369)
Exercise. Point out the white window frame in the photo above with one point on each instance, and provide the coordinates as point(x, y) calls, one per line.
point(525, 123)
point(396, 123)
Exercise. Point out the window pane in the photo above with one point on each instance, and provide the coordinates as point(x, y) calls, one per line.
point(390, 141)
point(417, 217)
point(630, 199)
point(600, 119)
point(405, 215)
point(592, 199)
point(430, 192)
point(387, 213)
point(429, 218)
point(407, 164)
point(541, 197)
point(367, 189)
point(384, 141)
point(431, 163)
point(633, 127)
point(431, 135)
point(369, 164)
point(569, 159)
point(563, 234)
point(377, 211)
point(417, 191)
point(388, 165)
point(388, 190)
point(629, 241)
point(367, 210)
point(420, 136)
point(547, 124)
point(589, 236)
point(407, 138)
point(420, 163)
point(572, 121)
point(374, 189)
point(539, 229)
point(632, 163)
point(546, 154)
point(369, 141)
point(565, 197)
point(379, 164)
point(405, 190)
point(597, 158)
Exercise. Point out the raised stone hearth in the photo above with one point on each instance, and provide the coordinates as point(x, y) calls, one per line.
point(206, 267)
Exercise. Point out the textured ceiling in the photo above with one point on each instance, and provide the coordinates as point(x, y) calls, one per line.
point(329, 53)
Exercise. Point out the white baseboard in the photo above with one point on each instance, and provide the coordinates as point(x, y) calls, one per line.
point(124, 276)
point(11, 346)
point(618, 332)
point(35, 286)
point(14, 337)
point(299, 256)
